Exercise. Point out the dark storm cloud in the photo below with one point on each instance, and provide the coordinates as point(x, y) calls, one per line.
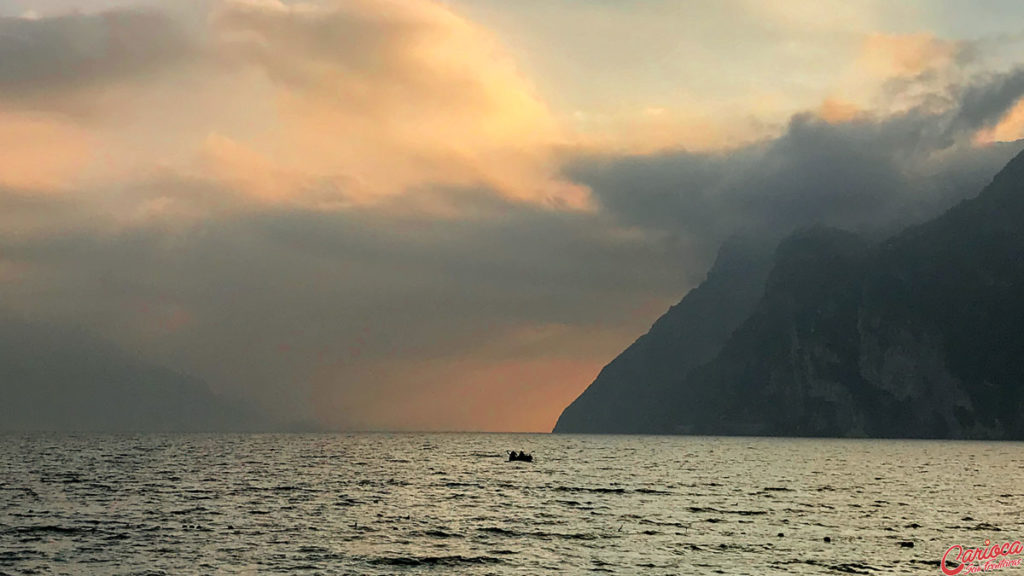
point(983, 103)
point(40, 57)
point(868, 174)
point(532, 266)
point(255, 302)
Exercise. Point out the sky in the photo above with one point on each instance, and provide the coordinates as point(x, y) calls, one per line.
point(449, 215)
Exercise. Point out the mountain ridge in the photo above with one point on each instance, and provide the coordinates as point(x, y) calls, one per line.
point(921, 335)
point(60, 379)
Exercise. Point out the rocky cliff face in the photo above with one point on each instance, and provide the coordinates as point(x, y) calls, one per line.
point(921, 336)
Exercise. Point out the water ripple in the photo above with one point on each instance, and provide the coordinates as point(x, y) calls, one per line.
point(451, 504)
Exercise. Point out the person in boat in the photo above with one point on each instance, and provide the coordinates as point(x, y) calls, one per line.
point(512, 456)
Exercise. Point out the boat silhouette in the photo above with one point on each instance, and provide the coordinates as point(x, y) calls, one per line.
point(521, 456)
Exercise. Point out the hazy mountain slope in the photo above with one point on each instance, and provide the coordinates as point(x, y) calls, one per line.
point(630, 393)
point(57, 379)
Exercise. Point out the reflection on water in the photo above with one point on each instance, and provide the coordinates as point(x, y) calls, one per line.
point(452, 504)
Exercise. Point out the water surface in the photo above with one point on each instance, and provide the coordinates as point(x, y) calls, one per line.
point(451, 504)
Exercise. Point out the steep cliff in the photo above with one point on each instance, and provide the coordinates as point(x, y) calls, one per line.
point(631, 394)
point(920, 336)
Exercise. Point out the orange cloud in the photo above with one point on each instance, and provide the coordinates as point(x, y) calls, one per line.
point(1009, 128)
point(41, 153)
point(836, 111)
point(327, 105)
point(383, 97)
point(656, 129)
point(244, 168)
point(892, 73)
point(902, 55)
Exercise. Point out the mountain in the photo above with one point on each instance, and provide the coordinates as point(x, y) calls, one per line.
point(60, 379)
point(920, 336)
point(630, 393)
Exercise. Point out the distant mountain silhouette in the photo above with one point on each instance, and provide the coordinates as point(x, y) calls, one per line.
point(59, 379)
point(919, 336)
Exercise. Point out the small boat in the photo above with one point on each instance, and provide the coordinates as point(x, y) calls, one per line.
point(514, 456)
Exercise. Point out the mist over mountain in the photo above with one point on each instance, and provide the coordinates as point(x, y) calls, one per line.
point(59, 379)
point(921, 335)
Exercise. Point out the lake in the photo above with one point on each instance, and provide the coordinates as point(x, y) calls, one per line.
point(452, 504)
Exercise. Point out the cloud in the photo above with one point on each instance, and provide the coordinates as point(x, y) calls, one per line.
point(984, 104)
point(336, 311)
point(92, 100)
point(837, 111)
point(43, 60)
point(381, 97)
point(40, 153)
point(322, 105)
point(1009, 128)
point(898, 73)
point(896, 55)
point(365, 211)
point(863, 170)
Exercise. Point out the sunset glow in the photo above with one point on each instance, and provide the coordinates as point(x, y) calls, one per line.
point(425, 215)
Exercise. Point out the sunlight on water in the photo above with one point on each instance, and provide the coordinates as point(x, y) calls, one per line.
point(452, 504)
